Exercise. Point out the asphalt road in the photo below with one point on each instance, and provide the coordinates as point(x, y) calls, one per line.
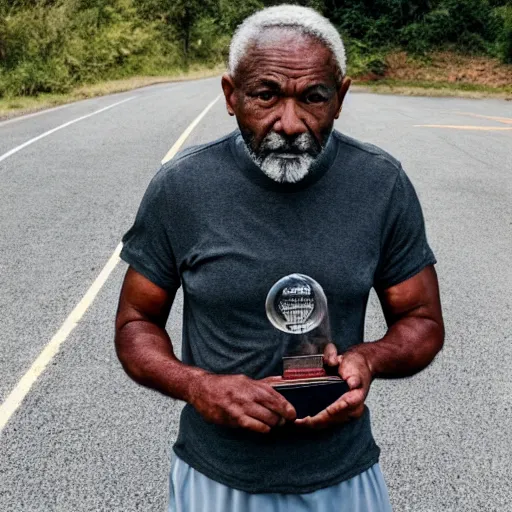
point(88, 439)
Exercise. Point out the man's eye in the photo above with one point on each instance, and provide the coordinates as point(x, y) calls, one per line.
point(315, 98)
point(265, 95)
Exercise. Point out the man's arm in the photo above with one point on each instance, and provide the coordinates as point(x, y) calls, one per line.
point(415, 335)
point(142, 343)
point(145, 351)
point(415, 328)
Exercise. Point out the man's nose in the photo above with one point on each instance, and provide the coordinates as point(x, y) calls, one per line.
point(289, 122)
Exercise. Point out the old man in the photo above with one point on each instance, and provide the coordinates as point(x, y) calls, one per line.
point(285, 193)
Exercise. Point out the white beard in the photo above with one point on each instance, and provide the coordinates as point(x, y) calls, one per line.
point(287, 169)
point(281, 166)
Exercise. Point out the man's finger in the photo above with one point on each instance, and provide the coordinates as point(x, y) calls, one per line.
point(312, 422)
point(273, 400)
point(357, 412)
point(322, 420)
point(342, 410)
point(331, 355)
point(260, 413)
point(354, 398)
point(349, 400)
point(337, 407)
point(302, 421)
point(252, 424)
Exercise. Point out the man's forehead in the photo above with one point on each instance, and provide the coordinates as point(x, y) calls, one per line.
point(279, 51)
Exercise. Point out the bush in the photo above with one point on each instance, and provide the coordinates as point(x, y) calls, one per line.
point(208, 45)
point(416, 38)
point(464, 23)
point(51, 49)
point(233, 12)
point(32, 59)
point(30, 78)
point(504, 39)
point(362, 60)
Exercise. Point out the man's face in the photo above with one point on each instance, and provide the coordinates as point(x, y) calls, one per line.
point(285, 97)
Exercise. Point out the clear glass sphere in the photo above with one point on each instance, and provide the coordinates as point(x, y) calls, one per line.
point(296, 304)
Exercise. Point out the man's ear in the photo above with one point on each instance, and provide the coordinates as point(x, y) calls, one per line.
point(228, 86)
point(342, 91)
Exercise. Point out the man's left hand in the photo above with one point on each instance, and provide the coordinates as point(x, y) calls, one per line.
point(353, 368)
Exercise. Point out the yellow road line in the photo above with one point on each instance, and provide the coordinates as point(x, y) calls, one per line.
point(176, 147)
point(456, 127)
point(13, 401)
point(504, 120)
point(18, 394)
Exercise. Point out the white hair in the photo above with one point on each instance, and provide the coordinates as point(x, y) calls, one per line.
point(303, 19)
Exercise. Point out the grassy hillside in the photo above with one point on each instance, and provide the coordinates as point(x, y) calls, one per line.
point(55, 46)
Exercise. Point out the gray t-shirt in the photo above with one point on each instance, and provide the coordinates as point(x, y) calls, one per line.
point(212, 222)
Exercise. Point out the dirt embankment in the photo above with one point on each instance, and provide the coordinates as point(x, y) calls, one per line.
point(447, 68)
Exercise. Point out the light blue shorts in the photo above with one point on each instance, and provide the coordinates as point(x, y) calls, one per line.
point(191, 491)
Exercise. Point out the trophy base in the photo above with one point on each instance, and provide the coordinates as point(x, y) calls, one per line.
point(310, 396)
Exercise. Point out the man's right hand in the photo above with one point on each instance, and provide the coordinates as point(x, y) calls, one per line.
point(238, 401)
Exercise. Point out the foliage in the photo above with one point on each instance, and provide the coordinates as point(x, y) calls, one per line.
point(363, 60)
point(233, 12)
point(52, 49)
point(54, 45)
point(503, 15)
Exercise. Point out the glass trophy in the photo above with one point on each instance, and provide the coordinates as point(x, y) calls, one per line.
point(297, 306)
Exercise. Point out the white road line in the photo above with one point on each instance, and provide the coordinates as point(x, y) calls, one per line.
point(172, 152)
point(49, 132)
point(34, 114)
point(17, 395)
point(77, 102)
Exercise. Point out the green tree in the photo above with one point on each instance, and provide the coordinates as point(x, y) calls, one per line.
point(178, 16)
point(233, 12)
point(504, 38)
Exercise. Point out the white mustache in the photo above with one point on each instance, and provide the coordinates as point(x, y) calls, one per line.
point(276, 142)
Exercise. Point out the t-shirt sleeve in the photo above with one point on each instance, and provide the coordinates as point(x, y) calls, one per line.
point(146, 245)
point(404, 247)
